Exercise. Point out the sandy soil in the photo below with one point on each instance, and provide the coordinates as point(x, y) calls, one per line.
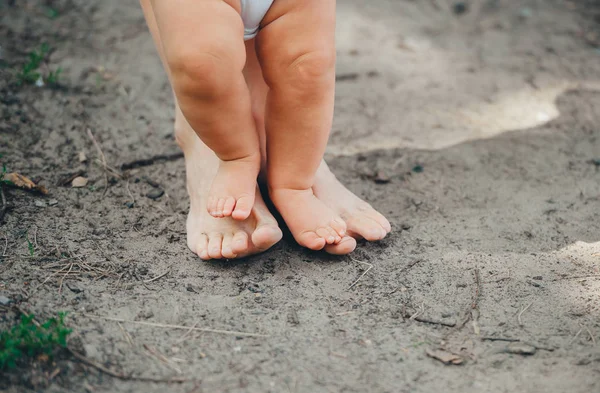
point(477, 134)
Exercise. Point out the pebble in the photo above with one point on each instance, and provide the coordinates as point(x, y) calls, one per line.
point(39, 203)
point(52, 202)
point(155, 193)
point(460, 7)
point(129, 204)
point(4, 301)
point(74, 288)
point(520, 349)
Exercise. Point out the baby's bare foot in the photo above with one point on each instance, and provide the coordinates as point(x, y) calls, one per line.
point(216, 238)
point(312, 224)
point(361, 219)
point(233, 188)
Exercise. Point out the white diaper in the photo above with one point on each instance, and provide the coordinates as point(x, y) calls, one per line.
point(253, 12)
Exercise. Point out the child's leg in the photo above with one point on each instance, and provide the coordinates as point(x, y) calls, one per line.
point(362, 220)
point(296, 49)
point(203, 46)
point(207, 236)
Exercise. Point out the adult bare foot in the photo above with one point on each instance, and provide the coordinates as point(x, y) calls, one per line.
point(216, 238)
point(362, 221)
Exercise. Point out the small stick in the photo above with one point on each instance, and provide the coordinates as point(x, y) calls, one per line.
point(432, 321)
point(5, 244)
point(167, 326)
point(362, 275)
point(89, 132)
point(477, 290)
point(162, 358)
point(129, 192)
point(63, 278)
point(187, 333)
point(521, 313)
point(591, 335)
point(151, 160)
point(158, 277)
point(115, 374)
point(4, 205)
point(512, 340)
point(127, 336)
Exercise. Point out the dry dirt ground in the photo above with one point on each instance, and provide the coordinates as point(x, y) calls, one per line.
point(476, 133)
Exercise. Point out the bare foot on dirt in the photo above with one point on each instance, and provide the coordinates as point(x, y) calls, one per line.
point(233, 188)
point(312, 223)
point(217, 238)
point(362, 221)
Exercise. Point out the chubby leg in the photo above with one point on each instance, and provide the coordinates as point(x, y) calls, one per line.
point(207, 236)
point(203, 47)
point(362, 220)
point(296, 50)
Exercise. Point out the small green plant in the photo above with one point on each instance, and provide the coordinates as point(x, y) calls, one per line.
point(30, 247)
point(30, 72)
point(28, 339)
point(51, 13)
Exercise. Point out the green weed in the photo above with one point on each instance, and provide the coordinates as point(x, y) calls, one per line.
point(30, 247)
point(51, 13)
point(30, 72)
point(28, 340)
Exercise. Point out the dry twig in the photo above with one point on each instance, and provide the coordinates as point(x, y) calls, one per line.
point(168, 326)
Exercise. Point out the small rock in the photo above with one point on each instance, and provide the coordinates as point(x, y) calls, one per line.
point(144, 315)
point(191, 288)
point(525, 13)
point(40, 82)
point(293, 318)
point(39, 203)
point(460, 7)
point(74, 288)
point(405, 227)
point(129, 204)
point(381, 178)
point(446, 314)
point(537, 277)
point(79, 182)
point(52, 202)
point(418, 168)
point(520, 348)
point(155, 193)
point(82, 157)
point(4, 301)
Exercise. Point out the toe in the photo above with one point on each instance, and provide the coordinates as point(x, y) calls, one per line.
point(214, 245)
point(228, 206)
point(243, 207)
point(326, 234)
point(239, 244)
point(345, 246)
point(339, 226)
point(211, 206)
point(265, 236)
point(381, 220)
point(226, 247)
point(220, 206)
point(312, 240)
point(367, 228)
point(202, 247)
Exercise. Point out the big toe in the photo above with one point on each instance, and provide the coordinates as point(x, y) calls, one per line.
point(367, 228)
point(265, 236)
point(345, 246)
point(243, 207)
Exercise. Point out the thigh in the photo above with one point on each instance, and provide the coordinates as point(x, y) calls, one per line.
point(292, 29)
point(211, 26)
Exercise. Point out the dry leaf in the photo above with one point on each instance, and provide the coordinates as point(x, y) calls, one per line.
point(23, 182)
point(79, 181)
point(444, 356)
